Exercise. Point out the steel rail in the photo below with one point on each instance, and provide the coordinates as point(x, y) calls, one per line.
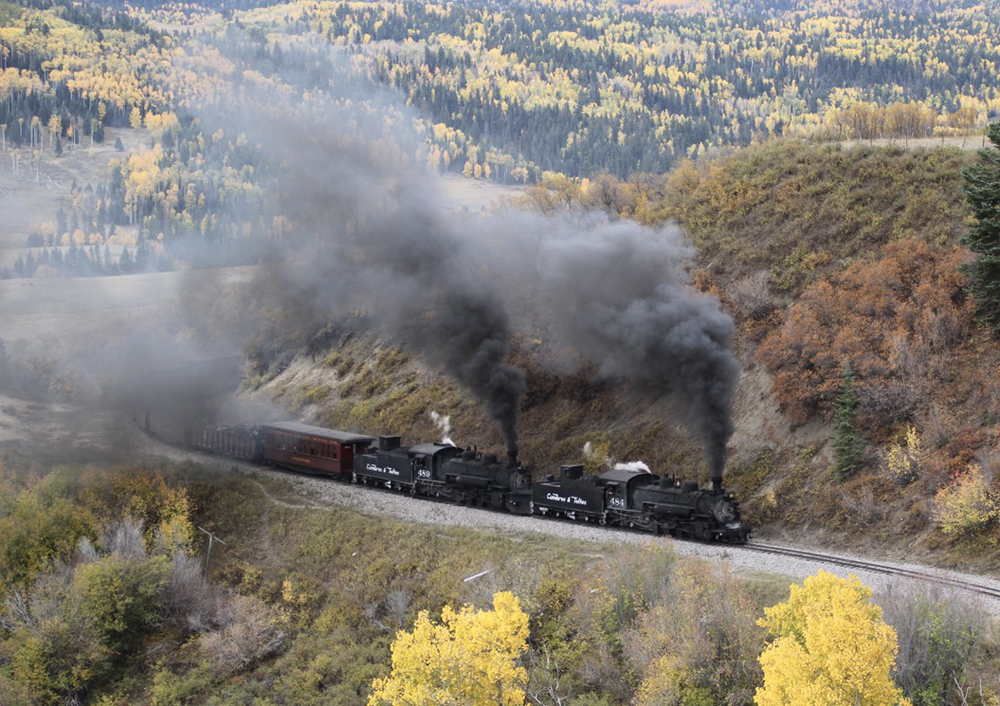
point(874, 567)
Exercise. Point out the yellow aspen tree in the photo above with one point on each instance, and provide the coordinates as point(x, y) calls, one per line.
point(832, 648)
point(469, 659)
point(965, 505)
point(901, 461)
point(55, 129)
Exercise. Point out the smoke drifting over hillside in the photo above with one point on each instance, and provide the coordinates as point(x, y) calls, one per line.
point(617, 293)
point(371, 236)
point(364, 232)
point(368, 236)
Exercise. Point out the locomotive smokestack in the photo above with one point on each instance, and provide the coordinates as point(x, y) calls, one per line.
point(512, 460)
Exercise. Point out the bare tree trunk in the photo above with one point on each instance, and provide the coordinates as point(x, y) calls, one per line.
point(964, 694)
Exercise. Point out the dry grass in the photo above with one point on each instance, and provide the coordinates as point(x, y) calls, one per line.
point(25, 201)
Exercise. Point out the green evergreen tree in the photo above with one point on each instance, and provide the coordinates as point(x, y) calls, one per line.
point(982, 191)
point(848, 446)
point(125, 261)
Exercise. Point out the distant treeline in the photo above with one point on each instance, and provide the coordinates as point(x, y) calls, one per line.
point(516, 93)
point(74, 261)
point(34, 86)
point(573, 88)
point(516, 90)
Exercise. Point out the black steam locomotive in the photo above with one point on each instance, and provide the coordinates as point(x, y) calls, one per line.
point(641, 500)
point(624, 498)
point(448, 472)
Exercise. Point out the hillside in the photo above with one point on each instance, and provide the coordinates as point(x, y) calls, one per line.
point(881, 212)
point(774, 225)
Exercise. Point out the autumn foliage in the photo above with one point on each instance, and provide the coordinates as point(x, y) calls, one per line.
point(966, 505)
point(831, 647)
point(895, 320)
point(471, 657)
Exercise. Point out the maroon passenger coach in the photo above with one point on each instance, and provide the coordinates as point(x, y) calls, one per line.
point(313, 449)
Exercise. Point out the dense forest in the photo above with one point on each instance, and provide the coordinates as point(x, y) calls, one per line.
point(508, 92)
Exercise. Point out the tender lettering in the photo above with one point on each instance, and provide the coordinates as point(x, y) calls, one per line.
point(386, 471)
point(570, 500)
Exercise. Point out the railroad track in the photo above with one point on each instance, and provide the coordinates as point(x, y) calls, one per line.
point(861, 565)
point(876, 567)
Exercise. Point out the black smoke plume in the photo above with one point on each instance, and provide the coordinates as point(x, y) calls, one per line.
point(369, 235)
point(617, 294)
point(470, 337)
point(636, 316)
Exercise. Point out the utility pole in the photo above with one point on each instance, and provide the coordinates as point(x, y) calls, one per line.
point(208, 557)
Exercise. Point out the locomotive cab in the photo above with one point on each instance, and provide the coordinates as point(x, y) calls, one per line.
point(429, 460)
point(620, 486)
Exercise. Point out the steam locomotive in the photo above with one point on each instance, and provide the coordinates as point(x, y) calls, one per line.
point(635, 499)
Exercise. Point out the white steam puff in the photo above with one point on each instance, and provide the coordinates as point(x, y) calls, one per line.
point(588, 452)
point(443, 423)
point(631, 466)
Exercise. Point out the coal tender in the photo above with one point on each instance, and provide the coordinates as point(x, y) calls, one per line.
point(448, 472)
point(641, 500)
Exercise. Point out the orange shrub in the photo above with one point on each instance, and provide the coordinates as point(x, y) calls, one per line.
point(895, 319)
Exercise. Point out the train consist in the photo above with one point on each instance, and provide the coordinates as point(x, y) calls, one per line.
point(624, 498)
